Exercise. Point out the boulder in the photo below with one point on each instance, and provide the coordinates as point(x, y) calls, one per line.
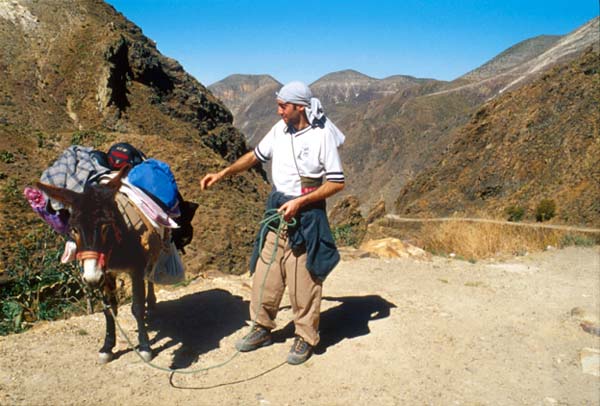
point(392, 248)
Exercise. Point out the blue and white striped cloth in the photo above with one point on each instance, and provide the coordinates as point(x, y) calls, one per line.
point(73, 169)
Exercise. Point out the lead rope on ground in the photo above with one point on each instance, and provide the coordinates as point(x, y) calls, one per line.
point(267, 224)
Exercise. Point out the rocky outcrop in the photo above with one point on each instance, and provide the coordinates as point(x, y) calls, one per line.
point(80, 72)
point(376, 212)
point(347, 222)
point(393, 248)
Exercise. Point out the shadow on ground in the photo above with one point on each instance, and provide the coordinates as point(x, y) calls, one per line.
point(348, 320)
point(198, 322)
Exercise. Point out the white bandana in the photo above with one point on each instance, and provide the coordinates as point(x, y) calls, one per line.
point(298, 93)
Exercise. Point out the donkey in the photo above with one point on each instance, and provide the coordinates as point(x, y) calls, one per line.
point(107, 244)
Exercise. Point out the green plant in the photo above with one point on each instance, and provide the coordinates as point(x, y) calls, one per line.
point(87, 137)
point(40, 287)
point(577, 240)
point(183, 283)
point(344, 235)
point(7, 157)
point(10, 191)
point(11, 316)
point(545, 210)
point(41, 139)
point(515, 213)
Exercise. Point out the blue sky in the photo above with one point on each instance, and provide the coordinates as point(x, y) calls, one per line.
point(305, 40)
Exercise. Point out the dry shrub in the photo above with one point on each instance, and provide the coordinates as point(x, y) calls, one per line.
point(485, 240)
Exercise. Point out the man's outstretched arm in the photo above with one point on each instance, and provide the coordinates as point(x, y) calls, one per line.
point(245, 162)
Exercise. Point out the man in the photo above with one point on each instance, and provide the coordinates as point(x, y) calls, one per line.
point(303, 147)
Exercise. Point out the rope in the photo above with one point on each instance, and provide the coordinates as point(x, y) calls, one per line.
point(272, 221)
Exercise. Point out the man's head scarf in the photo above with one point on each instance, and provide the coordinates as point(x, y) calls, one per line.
point(300, 94)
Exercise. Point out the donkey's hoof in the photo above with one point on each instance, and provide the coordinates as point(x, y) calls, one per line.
point(146, 355)
point(105, 357)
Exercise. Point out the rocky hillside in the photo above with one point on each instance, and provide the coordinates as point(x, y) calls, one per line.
point(80, 72)
point(391, 140)
point(540, 141)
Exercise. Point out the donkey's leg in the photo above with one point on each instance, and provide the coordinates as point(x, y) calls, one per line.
point(106, 354)
point(138, 309)
point(150, 300)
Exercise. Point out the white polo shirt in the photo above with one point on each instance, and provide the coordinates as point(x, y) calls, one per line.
point(313, 148)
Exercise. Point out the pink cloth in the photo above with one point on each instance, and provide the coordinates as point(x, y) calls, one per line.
point(58, 220)
point(157, 216)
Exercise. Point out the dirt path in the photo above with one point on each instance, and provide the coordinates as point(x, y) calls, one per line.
point(395, 218)
point(394, 332)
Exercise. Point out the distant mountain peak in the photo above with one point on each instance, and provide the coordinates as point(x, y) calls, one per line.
point(236, 90)
point(344, 75)
point(241, 79)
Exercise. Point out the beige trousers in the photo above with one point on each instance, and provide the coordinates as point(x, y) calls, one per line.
point(289, 269)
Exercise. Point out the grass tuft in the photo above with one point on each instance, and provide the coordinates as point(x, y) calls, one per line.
point(486, 240)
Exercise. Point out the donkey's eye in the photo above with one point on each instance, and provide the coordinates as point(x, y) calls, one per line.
point(75, 235)
point(104, 230)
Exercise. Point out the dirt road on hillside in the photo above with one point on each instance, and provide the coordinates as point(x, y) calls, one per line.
point(394, 332)
point(398, 219)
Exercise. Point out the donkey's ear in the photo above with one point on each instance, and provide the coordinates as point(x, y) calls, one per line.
point(65, 196)
point(115, 183)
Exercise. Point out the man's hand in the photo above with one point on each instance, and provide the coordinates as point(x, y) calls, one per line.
point(290, 209)
point(246, 161)
point(209, 180)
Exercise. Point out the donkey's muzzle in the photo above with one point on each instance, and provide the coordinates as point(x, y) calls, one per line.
point(93, 266)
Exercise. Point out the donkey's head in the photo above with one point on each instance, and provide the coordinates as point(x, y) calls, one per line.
point(95, 223)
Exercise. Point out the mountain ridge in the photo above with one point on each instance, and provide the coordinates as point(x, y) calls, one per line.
point(513, 56)
point(394, 132)
point(535, 142)
point(396, 137)
point(253, 104)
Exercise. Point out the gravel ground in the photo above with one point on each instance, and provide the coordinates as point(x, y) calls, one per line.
point(393, 332)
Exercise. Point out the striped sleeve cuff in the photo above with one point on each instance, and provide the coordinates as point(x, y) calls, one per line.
point(337, 177)
point(259, 155)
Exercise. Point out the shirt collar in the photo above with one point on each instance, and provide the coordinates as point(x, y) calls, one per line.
point(291, 130)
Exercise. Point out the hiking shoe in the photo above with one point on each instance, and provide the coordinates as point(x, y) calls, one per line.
point(300, 351)
point(256, 338)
